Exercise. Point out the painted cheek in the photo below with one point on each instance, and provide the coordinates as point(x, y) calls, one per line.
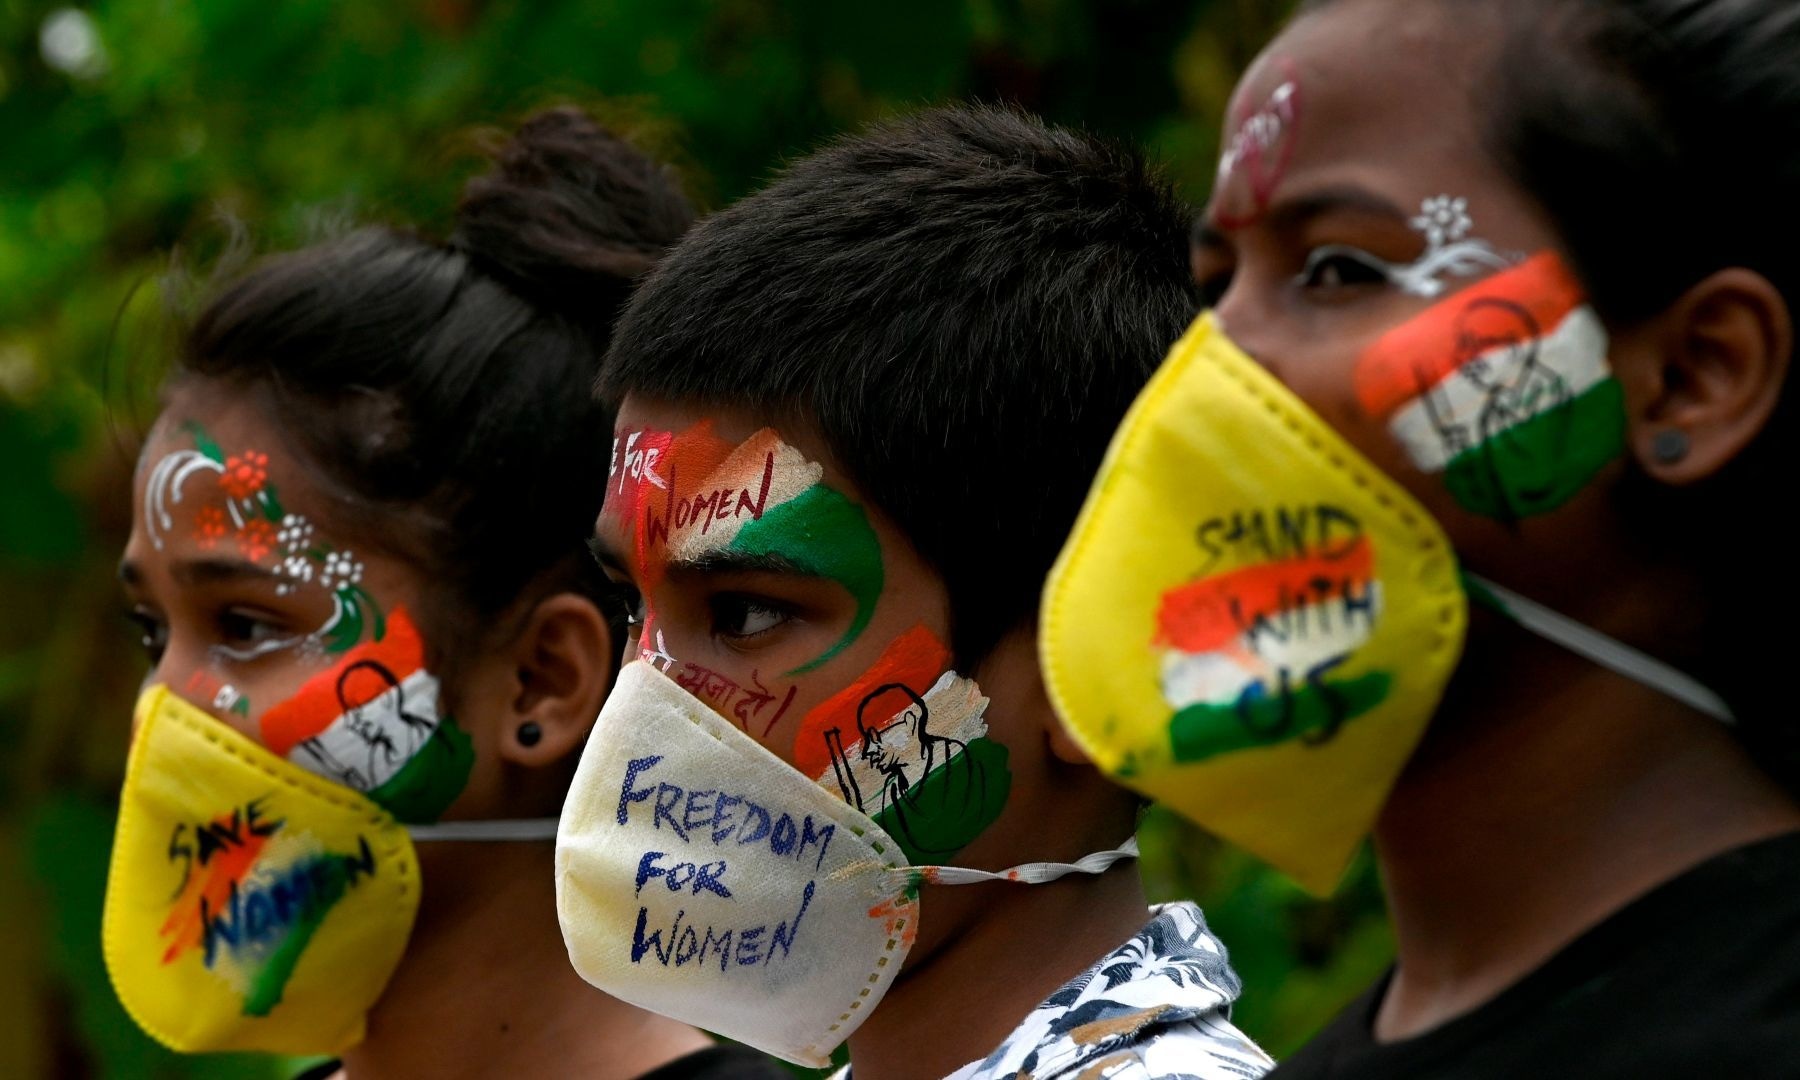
point(937, 812)
point(373, 723)
point(1502, 391)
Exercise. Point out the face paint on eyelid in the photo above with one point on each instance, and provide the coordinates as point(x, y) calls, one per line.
point(1503, 389)
point(761, 497)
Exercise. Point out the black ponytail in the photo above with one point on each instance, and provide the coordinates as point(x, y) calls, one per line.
point(442, 391)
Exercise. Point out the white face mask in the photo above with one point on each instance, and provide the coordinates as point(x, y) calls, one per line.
point(701, 877)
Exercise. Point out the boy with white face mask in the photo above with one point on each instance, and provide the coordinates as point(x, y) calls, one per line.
point(857, 414)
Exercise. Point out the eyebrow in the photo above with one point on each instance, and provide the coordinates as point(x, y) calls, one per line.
point(741, 562)
point(219, 571)
point(1290, 215)
point(603, 554)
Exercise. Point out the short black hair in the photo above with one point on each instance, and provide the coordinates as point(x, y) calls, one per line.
point(442, 389)
point(964, 301)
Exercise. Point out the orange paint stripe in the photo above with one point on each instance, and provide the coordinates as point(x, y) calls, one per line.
point(1419, 353)
point(212, 883)
point(316, 707)
point(915, 658)
point(1211, 614)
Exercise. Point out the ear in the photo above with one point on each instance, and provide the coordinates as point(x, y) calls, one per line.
point(564, 665)
point(1720, 358)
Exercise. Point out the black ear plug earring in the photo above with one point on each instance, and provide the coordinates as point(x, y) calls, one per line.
point(1669, 447)
point(530, 733)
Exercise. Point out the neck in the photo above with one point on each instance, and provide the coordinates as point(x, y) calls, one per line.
point(1538, 807)
point(485, 987)
point(974, 988)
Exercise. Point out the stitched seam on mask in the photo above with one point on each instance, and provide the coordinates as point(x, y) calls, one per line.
point(319, 790)
point(1447, 609)
point(880, 961)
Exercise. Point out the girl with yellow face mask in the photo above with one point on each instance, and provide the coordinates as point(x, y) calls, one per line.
point(377, 641)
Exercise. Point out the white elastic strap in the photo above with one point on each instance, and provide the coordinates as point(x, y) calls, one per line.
point(1027, 874)
point(487, 831)
point(1613, 655)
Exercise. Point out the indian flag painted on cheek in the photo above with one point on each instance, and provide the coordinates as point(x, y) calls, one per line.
point(764, 498)
point(1253, 655)
point(1504, 389)
point(372, 722)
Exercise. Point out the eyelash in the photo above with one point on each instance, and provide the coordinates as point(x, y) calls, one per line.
point(1373, 269)
point(153, 634)
point(733, 610)
point(627, 600)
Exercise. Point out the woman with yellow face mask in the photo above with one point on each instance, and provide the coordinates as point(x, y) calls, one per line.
point(1430, 529)
point(377, 641)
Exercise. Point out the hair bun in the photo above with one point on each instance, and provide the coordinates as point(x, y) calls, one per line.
point(570, 215)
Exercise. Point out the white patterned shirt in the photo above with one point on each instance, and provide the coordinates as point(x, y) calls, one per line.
point(1156, 1008)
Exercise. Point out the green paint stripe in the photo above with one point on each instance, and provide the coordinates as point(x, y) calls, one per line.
point(427, 784)
point(822, 533)
point(951, 806)
point(1204, 731)
point(1536, 466)
point(266, 989)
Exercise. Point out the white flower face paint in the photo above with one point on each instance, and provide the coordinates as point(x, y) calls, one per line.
point(1450, 252)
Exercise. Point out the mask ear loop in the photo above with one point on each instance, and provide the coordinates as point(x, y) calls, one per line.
point(486, 831)
point(1590, 644)
point(1025, 874)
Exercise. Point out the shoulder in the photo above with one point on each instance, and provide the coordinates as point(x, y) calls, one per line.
point(1157, 1006)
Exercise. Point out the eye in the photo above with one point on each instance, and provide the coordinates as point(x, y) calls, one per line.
point(736, 615)
point(1337, 267)
point(153, 633)
point(239, 629)
point(1213, 288)
point(624, 597)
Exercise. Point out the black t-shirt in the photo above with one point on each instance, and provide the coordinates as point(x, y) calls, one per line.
point(726, 1061)
point(1698, 978)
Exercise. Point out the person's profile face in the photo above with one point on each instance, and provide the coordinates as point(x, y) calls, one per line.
point(763, 582)
point(1355, 196)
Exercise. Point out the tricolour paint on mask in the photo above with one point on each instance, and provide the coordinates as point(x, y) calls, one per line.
point(907, 745)
point(372, 723)
point(1250, 652)
point(1502, 388)
point(252, 894)
point(694, 499)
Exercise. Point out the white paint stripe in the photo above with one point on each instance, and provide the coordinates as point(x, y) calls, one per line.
point(366, 746)
point(1448, 419)
point(1316, 633)
point(790, 475)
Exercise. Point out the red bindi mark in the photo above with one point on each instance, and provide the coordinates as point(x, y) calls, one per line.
point(1259, 150)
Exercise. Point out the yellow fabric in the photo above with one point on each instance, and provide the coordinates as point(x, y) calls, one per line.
point(1214, 438)
point(304, 893)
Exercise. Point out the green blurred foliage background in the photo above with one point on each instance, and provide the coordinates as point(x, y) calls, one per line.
point(133, 129)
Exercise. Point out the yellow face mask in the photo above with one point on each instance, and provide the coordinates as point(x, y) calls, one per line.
point(1250, 622)
point(251, 905)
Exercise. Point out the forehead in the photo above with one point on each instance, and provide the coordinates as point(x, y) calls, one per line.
point(235, 425)
point(1381, 85)
point(657, 442)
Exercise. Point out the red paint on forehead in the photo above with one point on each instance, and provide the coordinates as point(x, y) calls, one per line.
point(1258, 151)
point(649, 467)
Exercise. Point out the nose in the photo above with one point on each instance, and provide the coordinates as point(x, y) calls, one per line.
point(1249, 325)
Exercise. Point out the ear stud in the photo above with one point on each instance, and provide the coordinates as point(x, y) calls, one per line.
point(530, 733)
point(1669, 447)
